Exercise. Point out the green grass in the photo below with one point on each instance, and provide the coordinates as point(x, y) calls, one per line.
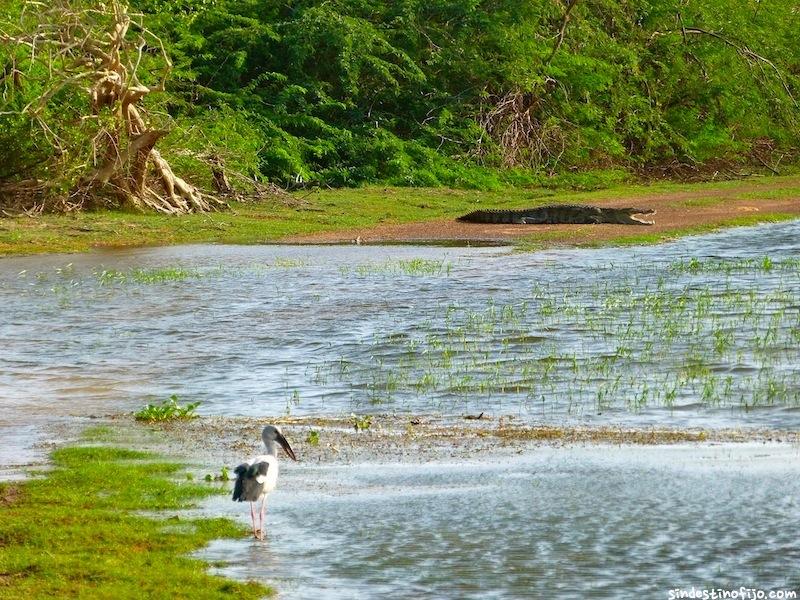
point(320, 211)
point(411, 267)
point(146, 276)
point(77, 533)
point(778, 194)
point(697, 202)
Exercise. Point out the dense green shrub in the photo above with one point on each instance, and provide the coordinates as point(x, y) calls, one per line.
point(471, 93)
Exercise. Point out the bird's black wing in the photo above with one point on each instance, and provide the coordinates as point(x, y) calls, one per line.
point(247, 488)
point(238, 486)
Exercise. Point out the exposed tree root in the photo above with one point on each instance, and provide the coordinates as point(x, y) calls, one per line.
point(103, 48)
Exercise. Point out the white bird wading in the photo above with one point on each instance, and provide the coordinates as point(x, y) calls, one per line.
point(256, 478)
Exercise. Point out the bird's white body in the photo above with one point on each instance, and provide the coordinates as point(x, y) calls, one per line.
point(270, 480)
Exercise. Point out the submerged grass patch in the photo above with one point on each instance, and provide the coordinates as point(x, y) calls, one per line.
point(411, 267)
point(694, 332)
point(76, 531)
point(146, 276)
point(289, 263)
point(695, 265)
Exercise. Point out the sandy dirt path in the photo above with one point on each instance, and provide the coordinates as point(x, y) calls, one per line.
point(675, 211)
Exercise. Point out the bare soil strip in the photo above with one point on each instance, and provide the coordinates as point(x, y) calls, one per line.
point(675, 211)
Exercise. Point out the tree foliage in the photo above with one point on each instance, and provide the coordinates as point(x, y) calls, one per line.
point(87, 72)
point(476, 92)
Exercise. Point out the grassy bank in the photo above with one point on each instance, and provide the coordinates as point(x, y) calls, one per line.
point(77, 532)
point(346, 209)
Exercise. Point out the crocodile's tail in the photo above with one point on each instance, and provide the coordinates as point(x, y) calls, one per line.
point(493, 217)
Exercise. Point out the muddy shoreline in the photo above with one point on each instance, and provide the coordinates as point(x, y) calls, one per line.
point(213, 442)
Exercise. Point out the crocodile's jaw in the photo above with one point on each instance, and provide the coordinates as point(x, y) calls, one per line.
point(643, 221)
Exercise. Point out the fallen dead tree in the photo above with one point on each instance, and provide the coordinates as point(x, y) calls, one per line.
point(111, 59)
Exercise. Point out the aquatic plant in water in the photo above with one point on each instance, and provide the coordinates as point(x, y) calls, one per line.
point(146, 276)
point(396, 267)
point(711, 332)
point(166, 411)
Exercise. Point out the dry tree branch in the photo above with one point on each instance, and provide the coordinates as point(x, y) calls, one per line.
point(562, 31)
point(514, 121)
point(102, 48)
point(750, 56)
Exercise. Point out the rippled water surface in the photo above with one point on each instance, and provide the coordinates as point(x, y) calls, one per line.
point(704, 331)
point(557, 523)
point(700, 332)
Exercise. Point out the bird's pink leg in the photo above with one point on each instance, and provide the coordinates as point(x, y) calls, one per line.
point(253, 518)
point(263, 510)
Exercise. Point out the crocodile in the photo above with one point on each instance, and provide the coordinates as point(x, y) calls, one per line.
point(560, 213)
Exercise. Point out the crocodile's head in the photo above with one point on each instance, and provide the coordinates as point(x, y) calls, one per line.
point(630, 212)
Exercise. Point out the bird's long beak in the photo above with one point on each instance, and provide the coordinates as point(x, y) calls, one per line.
point(286, 447)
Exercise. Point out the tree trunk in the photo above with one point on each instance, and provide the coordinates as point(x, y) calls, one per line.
point(79, 46)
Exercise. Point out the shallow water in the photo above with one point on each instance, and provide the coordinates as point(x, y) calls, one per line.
point(641, 335)
point(635, 336)
point(580, 522)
